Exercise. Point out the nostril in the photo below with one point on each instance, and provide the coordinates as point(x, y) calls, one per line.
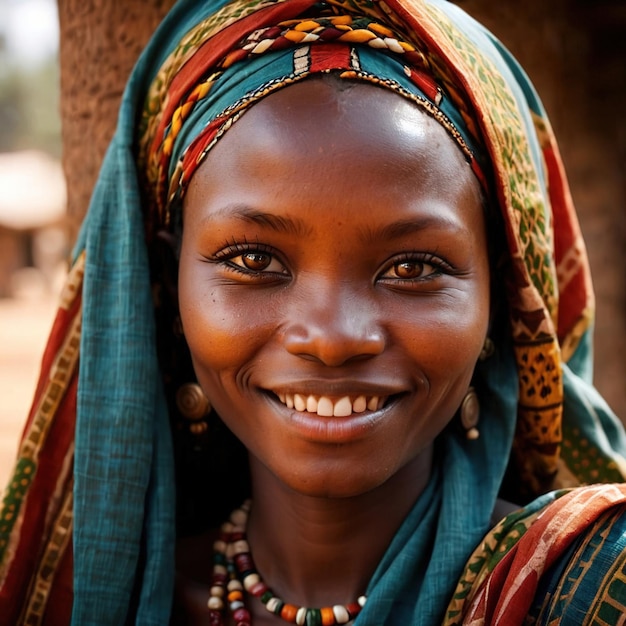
point(333, 346)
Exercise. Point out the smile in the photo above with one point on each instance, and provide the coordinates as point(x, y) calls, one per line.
point(325, 406)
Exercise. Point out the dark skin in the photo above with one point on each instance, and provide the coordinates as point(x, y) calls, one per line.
point(334, 247)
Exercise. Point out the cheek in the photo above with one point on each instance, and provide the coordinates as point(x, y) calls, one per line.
point(450, 337)
point(221, 332)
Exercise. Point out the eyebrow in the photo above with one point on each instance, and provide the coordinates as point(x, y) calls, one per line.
point(250, 215)
point(401, 228)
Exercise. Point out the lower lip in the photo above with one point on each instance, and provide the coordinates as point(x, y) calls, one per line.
point(334, 430)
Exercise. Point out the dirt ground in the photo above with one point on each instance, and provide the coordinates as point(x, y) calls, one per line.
point(24, 325)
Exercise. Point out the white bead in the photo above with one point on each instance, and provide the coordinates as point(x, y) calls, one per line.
point(217, 591)
point(236, 604)
point(215, 603)
point(219, 569)
point(341, 614)
point(250, 580)
point(235, 585)
point(219, 546)
point(362, 600)
point(241, 547)
point(271, 604)
point(301, 616)
point(239, 517)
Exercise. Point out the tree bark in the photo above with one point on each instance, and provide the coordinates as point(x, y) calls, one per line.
point(100, 42)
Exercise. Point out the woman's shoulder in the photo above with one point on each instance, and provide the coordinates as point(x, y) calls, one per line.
point(562, 555)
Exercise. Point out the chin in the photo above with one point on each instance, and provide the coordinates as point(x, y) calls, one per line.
point(333, 483)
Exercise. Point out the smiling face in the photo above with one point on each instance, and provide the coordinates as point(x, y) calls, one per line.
point(334, 284)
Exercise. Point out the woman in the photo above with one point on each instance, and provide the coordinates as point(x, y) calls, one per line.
point(354, 216)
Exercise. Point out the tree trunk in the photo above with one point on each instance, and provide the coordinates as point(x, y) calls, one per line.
point(100, 42)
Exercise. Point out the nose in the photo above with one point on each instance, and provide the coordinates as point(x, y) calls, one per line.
point(334, 330)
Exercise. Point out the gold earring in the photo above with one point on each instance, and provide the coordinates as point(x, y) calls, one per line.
point(470, 412)
point(194, 406)
point(488, 349)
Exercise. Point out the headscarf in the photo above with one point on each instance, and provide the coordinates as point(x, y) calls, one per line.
point(110, 486)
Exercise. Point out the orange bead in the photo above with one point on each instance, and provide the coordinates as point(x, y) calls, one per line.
point(288, 613)
point(235, 595)
point(328, 617)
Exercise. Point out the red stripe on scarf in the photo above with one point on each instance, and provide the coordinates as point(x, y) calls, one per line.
point(330, 57)
point(212, 51)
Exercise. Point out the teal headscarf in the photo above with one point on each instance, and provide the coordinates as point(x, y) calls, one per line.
point(124, 512)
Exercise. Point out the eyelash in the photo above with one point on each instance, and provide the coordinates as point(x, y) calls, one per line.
point(424, 258)
point(234, 249)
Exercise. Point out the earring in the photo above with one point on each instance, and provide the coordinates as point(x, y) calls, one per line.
point(470, 412)
point(488, 349)
point(194, 406)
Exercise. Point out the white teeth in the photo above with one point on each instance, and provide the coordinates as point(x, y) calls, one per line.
point(359, 405)
point(343, 407)
point(311, 404)
point(326, 407)
point(299, 402)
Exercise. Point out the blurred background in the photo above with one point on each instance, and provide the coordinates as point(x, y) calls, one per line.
point(574, 51)
point(34, 238)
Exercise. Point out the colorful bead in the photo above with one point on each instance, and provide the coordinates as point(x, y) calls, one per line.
point(215, 618)
point(341, 614)
point(273, 604)
point(288, 613)
point(241, 615)
point(234, 571)
point(259, 590)
point(328, 617)
point(241, 547)
point(301, 616)
point(215, 603)
point(250, 580)
point(353, 609)
point(235, 595)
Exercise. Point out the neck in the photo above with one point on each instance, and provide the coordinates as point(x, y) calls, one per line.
point(316, 551)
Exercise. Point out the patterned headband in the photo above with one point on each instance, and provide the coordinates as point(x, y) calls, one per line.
point(205, 97)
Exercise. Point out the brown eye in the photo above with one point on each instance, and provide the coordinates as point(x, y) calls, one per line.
point(256, 261)
point(408, 269)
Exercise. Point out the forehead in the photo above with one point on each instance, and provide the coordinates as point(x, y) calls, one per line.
point(329, 138)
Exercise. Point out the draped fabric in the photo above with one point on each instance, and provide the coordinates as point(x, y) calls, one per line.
point(87, 527)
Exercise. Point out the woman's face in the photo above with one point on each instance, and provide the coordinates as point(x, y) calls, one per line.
point(334, 283)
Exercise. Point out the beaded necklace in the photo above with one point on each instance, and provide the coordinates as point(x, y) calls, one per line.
point(234, 573)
